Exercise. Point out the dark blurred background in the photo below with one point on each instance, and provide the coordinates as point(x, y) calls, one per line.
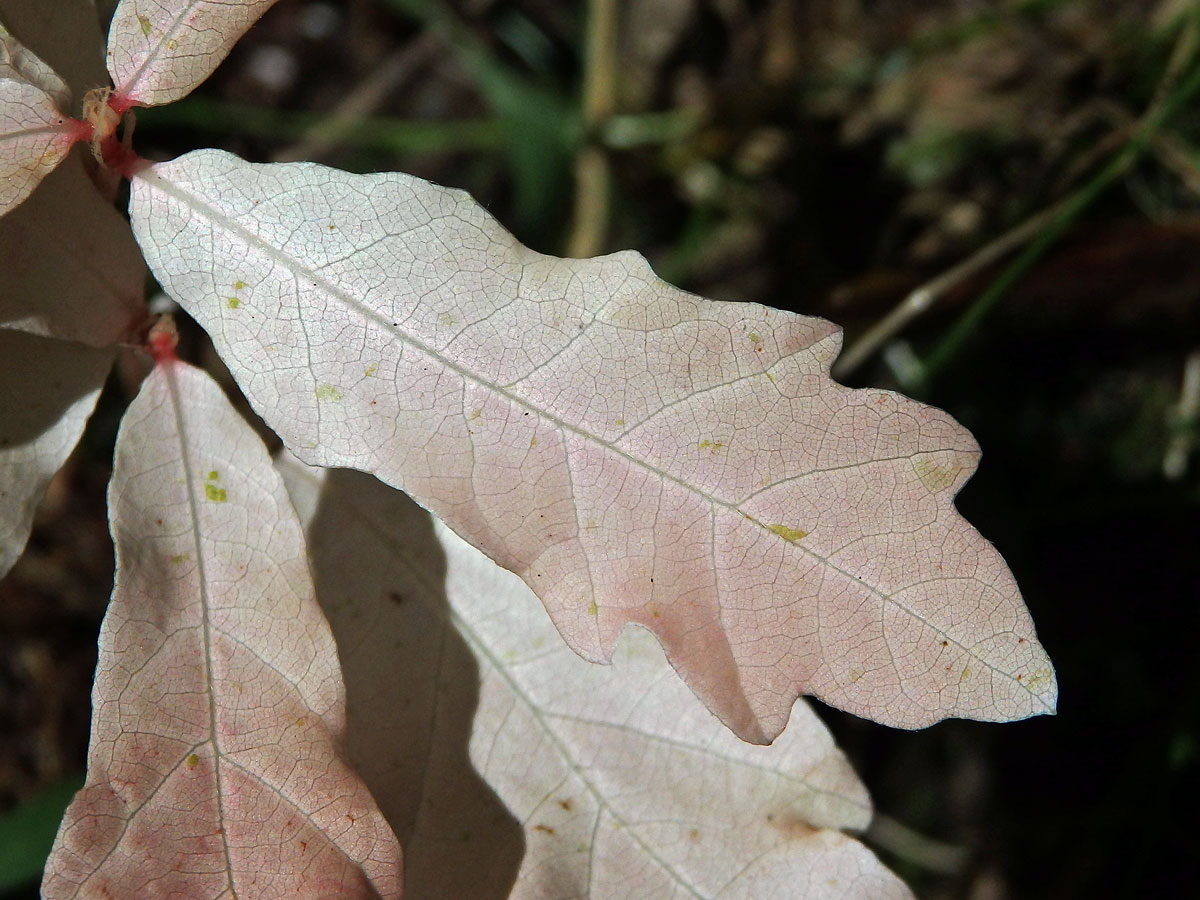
point(829, 157)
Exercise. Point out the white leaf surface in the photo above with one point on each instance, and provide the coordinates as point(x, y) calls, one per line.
point(623, 784)
point(159, 50)
point(412, 682)
point(637, 454)
point(48, 390)
point(69, 267)
point(19, 63)
point(214, 768)
point(34, 138)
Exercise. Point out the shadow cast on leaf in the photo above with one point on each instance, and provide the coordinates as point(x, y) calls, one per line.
point(412, 688)
point(32, 405)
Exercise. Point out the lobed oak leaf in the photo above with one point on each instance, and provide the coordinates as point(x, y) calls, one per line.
point(159, 50)
point(621, 784)
point(214, 766)
point(48, 390)
point(636, 453)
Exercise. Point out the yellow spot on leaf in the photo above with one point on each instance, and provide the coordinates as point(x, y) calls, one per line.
point(933, 476)
point(533, 441)
point(192, 761)
point(475, 414)
point(238, 285)
point(214, 475)
point(214, 493)
point(328, 392)
point(619, 422)
point(856, 674)
point(145, 23)
point(447, 320)
point(711, 445)
point(754, 337)
point(172, 45)
point(233, 302)
point(966, 673)
point(593, 610)
point(179, 558)
point(371, 369)
point(788, 534)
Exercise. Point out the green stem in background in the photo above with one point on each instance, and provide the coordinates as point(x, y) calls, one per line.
point(620, 132)
point(593, 174)
point(626, 131)
point(542, 126)
point(494, 79)
point(394, 135)
point(952, 343)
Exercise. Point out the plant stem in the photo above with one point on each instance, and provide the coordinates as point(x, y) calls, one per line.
point(361, 102)
point(593, 175)
point(1184, 421)
point(1055, 220)
point(1066, 214)
point(923, 297)
point(395, 135)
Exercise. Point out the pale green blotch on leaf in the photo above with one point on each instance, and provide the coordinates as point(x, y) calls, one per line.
point(213, 492)
point(788, 534)
point(145, 23)
point(933, 476)
point(1039, 679)
point(328, 392)
point(233, 302)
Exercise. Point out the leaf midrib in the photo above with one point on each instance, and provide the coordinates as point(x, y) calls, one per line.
point(315, 279)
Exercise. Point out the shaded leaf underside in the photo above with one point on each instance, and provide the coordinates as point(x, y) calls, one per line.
point(621, 783)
